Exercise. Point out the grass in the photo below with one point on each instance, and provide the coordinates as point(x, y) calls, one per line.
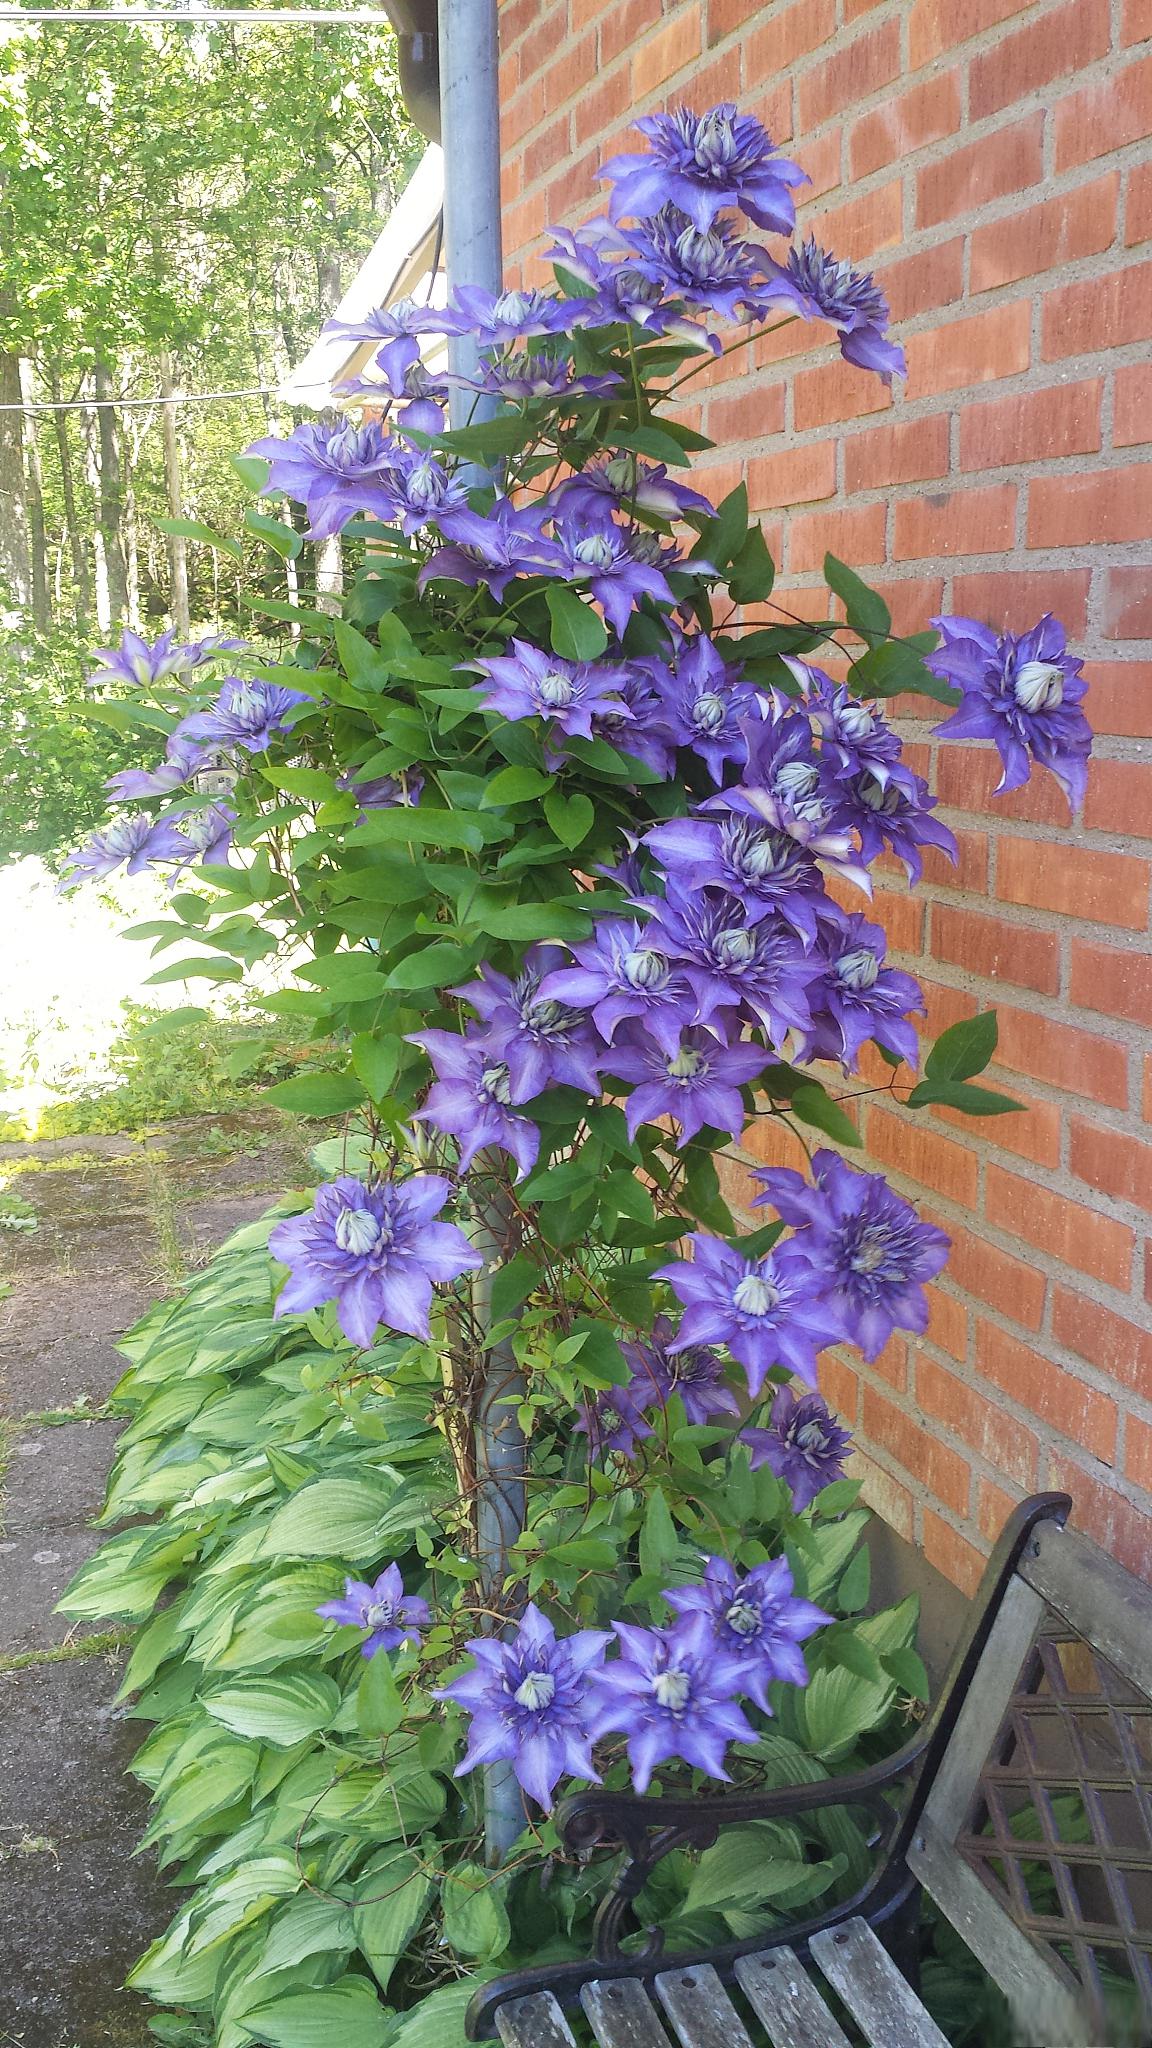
point(103, 1644)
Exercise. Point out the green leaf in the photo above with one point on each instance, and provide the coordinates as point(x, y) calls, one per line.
point(379, 1703)
point(198, 967)
point(723, 537)
point(516, 786)
point(375, 1061)
point(578, 633)
point(964, 1049)
point(584, 1553)
point(659, 1542)
point(813, 1105)
point(424, 825)
point(476, 1921)
point(252, 470)
point(438, 2020)
point(864, 609)
point(194, 529)
point(505, 435)
point(336, 1518)
point(571, 817)
point(753, 571)
point(391, 1895)
point(746, 1867)
point(907, 1668)
point(660, 443)
point(433, 966)
point(341, 2014)
point(317, 1094)
point(512, 1284)
point(852, 1592)
point(962, 1095)
point(279, 1709)
point(275, 533)
point(894, 666)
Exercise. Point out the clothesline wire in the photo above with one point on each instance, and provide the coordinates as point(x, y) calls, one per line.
point(338, 17)
point(189, 398)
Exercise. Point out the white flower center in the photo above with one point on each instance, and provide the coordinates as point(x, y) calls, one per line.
point(856, 722)
point(645, 968)
point(596, 552)
point(555, 690)
point(494, 1082)
point(688, 1064)
point(620, 472)
point(735, 949)
point(797, 778)
point(871, 1252)
point(810, 1436)
point(673, 1689)
point(743, 1618)
point(858, 968)
point(708, 712)
point(535, 1690)
point(1039, 686)
point(380, 1614)
point(243, 702)
point(512, 307)
point(754, 1295)
point(764, 854)
point(610, 1421)
point(357, 1231)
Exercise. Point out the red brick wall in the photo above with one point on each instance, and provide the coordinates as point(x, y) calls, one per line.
point(990, 159)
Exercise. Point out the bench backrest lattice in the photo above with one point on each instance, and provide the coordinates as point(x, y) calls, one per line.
point(1023, 1808)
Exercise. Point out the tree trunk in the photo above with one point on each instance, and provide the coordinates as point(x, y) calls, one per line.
point(99, 550)
point(111, 495)
point(34, 492)
point(329, 562)
point(15, 554)
point(81, 580)
point(174, 485)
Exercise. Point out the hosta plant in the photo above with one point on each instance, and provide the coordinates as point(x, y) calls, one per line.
point(501, 1467)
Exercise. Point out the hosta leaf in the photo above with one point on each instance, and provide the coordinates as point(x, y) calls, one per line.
point(347, 2014)
point(337, 1518)
point(275, 1708)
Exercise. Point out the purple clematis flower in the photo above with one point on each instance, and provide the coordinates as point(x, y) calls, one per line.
point(757, 1621)
point(424, 493)
point(620, 482)
point(384, 792)
point(376, 1252)
point(337, 471)
point(181, 760)
point(527, 683)
point(195, 835)
point(671, 1695)
point(471, 1099)
point(494, 548)
point(245, 714)
point(695, 1374)
point(760, 969)
point(612, 1421)
point(697, 1083)
point(1023, 692)
point(867, 1247)
point(132, 843)
point(895, 812)
point(803, 1445)
point(859, 997)
point(639, 725)
point(709, 268)
point(786, 786)
point(389, 1615)
point(765, 868)
point(543, 1043)
point(823, 287)
point(421, 397)
point(504, 319)
point(398, 322)
point(521, 376)
point(529, 1701)
point(706, 164)
point(611, 561)
point(620, 294)
point(707, 703)
point(141, 666)
point(768, 1311)
point(621, 973)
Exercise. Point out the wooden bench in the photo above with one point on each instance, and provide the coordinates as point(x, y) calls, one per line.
point(1023, 1807)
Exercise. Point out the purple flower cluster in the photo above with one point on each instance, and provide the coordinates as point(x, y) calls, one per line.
point(615, 1420)
point(340, 472)
point(387, 1614)
point(141, 666)
point(376, 1252)
point(540, 1702)
point(803, 1445)
point(1021, 691)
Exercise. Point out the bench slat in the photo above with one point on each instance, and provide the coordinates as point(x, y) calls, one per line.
point(886, 2009)
point(535, 2022)
point(785, 1998)
point(700, 2008)
point(622, 2015)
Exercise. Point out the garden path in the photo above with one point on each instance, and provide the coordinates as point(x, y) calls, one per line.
point(119, 1222)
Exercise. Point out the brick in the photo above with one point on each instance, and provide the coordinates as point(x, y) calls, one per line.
point(854, 71)
point(836, 391)
point(854, 534)
point(1119, 798)
point(546, 150)
point(943, 1471)
point(1115, 983)
point(1136, 25)
point(726, 15)
point(906, 452)
point(1116, 1524)
point(1032, 1132)
point(959, 523)
point(951, 1553)
point(905, 123)
point(1044, 237)
point(1100, 312)
point(1068, 1232)
point(998, 165)
point(1016, 1290)
point(1009, 1445)
point(1108, 888)
point(1118, 1349)
point(994, 1504)
point(840, 1386)
point(970, 870)
point(923, 283)
point(966, 778)
point(747, 415)
point(1032, 426)
point(861, 226)
point(936, 25)
point(799, 476)
point(1103, 505)
point(1138, 1453)
point(663, 55)
point(1112, 1162)
point(1132, 405)
point(1120, 700)
point(1066, 1403)
point(902, 918)
point(980, 349)
point(947, 1325)
point(1100, 118)
point(911, 601)
point(884, 1494)
point(995, 949)
point(1013, 599)
point(1051, 1050)
point(923, 1155)
point(624, 25)
point(1138, 210)
point(788, 34)
point(1128, 604)
point(1062, 40)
